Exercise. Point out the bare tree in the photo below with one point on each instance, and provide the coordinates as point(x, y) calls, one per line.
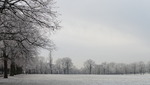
point(64, 65)
point(141, 67)
point(104, 65)
point(25, 22)
point(67, 65)
point(58, 66)
point(134, 68)
point(148, 67)
point(23, 36)
point(89, 65)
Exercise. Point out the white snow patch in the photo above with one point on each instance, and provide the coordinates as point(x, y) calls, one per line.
point(47, 79)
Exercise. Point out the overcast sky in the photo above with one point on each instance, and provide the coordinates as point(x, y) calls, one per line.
point(103, 30)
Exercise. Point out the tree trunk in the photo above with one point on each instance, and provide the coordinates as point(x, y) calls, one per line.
point(50, 62)
point(5, 66)
point(90, 69)
point(2, 69)
point(12, 68)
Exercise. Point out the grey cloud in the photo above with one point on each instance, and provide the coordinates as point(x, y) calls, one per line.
point(129, 17)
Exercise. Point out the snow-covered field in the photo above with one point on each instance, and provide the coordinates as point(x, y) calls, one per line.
point(39, 79)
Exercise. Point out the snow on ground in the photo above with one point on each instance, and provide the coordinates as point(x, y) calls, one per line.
point(47, 79)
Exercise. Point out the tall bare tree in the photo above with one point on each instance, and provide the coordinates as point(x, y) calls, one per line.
point(25, 22)
point(89, 65)
point(64, 65)
point(67, 65)
point(58, 66)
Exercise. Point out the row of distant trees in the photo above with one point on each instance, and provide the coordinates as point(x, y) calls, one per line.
point(65, 66)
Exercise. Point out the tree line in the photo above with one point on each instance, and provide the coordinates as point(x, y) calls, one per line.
point(65, 66)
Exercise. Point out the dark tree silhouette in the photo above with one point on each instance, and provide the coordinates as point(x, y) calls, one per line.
point(25, 23)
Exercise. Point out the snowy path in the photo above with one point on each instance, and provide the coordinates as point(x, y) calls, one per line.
point(77, 80)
